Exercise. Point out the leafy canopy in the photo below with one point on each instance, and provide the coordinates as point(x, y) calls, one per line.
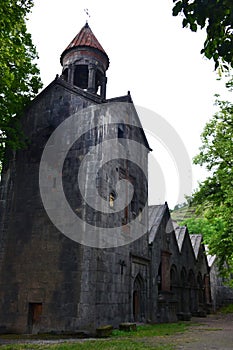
point(216, 16)
point(209, 228)
point(19, 75)
point(215, 194)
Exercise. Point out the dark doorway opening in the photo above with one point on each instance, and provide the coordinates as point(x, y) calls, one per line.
point(138, 299)
point(136, 305)
point(34, 317)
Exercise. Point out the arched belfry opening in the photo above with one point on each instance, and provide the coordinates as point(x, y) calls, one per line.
point(81, 76)
point(85, 62)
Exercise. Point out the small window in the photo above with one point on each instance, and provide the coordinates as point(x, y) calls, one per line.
point(140, 215)
point(121, 131)
point(111, 200)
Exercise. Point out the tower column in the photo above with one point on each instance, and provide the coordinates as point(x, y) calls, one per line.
point(103, 87)
point(70, 78)
point(91, 78)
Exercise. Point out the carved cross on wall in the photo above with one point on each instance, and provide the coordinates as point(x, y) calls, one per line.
point(123, 264)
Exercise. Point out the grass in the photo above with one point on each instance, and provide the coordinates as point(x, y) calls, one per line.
point(227, 309)
point(147, 337)
point(93, 345)
point(154, 330)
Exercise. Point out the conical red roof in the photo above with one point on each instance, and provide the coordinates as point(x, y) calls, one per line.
point(85, 38)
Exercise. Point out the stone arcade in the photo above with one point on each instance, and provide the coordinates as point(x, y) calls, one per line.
point(49, 282)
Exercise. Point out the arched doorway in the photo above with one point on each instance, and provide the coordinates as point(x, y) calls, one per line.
point(173, 278)
point(138, 299)
point(174, 286)
point(200, 289)
point(184, 297)
point(193, 307)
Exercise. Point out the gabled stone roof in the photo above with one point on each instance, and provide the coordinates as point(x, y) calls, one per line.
point(210, 258)
point(156, 213)
point(196, 240)
point(180, 232)
point(128, 98)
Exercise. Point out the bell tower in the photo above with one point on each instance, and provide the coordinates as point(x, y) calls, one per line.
point(50, 280)
point(85, 63)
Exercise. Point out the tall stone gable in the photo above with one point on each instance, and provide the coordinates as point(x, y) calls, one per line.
point(49, 282)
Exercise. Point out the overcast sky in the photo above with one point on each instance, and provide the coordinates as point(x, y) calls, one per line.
point(150, 54)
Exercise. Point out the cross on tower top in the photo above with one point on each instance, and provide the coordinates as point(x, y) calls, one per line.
point(87, 14)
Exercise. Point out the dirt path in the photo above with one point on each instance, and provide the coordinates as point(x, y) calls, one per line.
point(211, 333)
point(214, 332)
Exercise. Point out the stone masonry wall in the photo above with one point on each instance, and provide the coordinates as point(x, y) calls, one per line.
point(76, 287)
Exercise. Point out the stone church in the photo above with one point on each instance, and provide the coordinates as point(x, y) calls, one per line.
point(54, 282)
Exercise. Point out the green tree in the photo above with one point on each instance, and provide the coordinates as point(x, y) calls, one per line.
point(216, 16)
point(19, 75)
point(215, 194)
point(209, 228)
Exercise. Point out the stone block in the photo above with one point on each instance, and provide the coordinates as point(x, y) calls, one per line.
point(127, 327)
point(184, 316)
point(104, 331)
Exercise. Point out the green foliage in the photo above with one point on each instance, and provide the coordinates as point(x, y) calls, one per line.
point(216, 17)
point(153, 330)
point(227, 309)
point(215, 194)
point(19, 75)
point(209, 228)
point(93, 345)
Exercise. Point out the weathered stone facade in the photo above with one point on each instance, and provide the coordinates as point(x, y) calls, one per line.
point(221, 289)
point(180, 268)
point(49, 282)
